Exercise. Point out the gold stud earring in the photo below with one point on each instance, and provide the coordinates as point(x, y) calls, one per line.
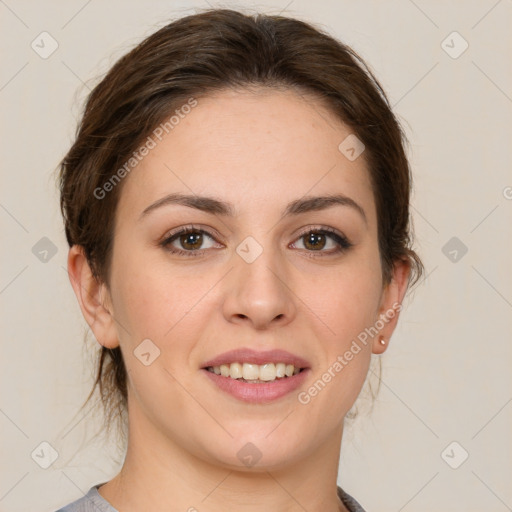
point(382, 341)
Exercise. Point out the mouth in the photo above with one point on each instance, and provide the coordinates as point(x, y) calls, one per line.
point(252, 365)
point(257, 376)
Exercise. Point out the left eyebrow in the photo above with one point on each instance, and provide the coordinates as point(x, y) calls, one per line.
point(217, 207)
point(316, 203)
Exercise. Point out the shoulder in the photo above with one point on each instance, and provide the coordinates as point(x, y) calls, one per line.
point(94, 502)
point(91, 502)
point(349, 502)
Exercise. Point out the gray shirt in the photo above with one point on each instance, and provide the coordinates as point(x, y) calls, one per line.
point(93, 501)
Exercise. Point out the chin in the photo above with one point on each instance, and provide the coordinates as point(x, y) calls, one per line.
point(254, 453)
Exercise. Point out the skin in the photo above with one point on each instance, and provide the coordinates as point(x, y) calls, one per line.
point(257, 150)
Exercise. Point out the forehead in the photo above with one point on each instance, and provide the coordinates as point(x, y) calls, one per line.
point(250, 147)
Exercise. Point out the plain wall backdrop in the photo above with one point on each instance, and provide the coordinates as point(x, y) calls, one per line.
point(446, 389)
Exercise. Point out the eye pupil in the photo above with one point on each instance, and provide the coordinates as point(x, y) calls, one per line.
point(313, 238)
point(188, 239)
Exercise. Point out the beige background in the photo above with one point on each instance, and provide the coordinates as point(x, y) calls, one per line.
point(447, 372)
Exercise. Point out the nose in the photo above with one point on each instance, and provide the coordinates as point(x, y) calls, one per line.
point(259, 293)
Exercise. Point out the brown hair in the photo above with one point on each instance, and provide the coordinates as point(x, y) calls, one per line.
point(206, 52)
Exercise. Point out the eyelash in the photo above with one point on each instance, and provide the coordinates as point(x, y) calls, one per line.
point(341, 241)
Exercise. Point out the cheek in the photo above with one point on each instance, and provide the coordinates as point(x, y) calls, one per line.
point(143, 294)
point(345, 299)
point(155, 300)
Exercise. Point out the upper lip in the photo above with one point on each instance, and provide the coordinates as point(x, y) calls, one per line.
point(247, 355)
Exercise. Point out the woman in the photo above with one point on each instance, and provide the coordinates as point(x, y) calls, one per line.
point(237, 208)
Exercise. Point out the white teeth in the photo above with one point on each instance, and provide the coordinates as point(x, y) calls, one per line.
point(267, 371)
point(235, 370)
point(250, 371)
point(254, 372)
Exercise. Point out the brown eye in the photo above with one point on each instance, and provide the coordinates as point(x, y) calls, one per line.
point(188, 242)
point(191, 241)
point(314, 241)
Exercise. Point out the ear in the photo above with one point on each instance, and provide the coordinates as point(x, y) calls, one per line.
point(93, 298)
point(391, 305)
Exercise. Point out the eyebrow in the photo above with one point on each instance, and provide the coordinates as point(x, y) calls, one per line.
point(218, 207)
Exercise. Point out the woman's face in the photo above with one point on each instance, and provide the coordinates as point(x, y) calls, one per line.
point(258, 272)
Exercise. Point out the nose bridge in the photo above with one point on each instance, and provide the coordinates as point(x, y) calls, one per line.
point(258, 291)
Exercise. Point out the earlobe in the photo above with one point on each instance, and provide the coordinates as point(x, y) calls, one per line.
point(93, 298)
point(391, 305)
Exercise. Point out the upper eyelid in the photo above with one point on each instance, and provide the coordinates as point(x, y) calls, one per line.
point(192, 228)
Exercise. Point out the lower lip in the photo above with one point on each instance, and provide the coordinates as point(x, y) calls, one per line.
point(258, 393)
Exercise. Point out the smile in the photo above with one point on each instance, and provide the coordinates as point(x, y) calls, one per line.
point(256, 376)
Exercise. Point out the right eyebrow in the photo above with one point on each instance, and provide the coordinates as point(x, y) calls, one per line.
point(203, 203)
